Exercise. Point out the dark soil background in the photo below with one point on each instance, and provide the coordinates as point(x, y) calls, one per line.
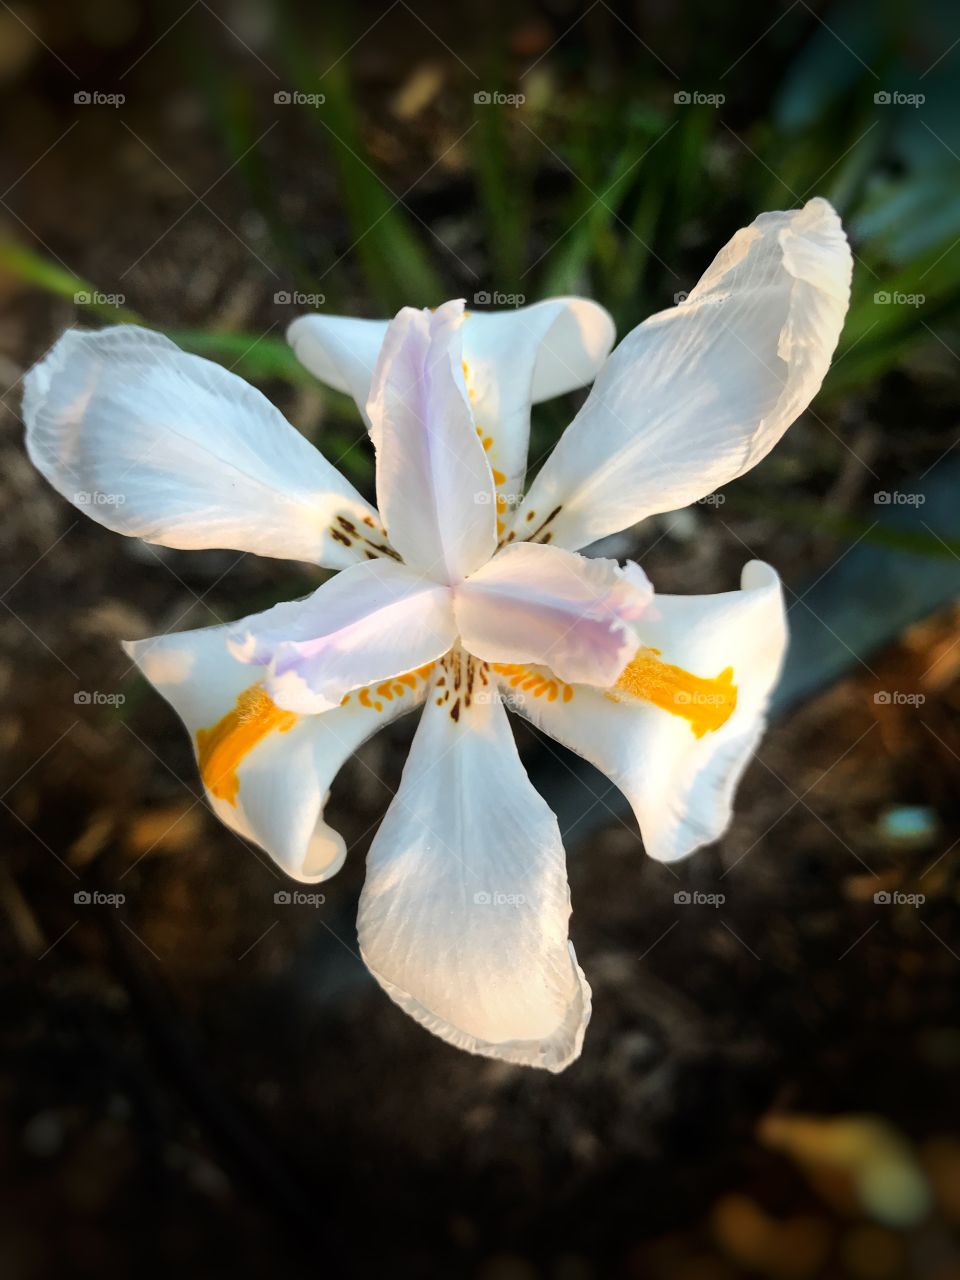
point(204, 1081)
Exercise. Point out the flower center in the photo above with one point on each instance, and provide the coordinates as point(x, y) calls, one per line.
point(222, 748)
point(706, 703)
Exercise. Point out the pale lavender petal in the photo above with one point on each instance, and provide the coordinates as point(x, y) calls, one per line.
point(540, 604)
point(369, 623)
point(433, 476)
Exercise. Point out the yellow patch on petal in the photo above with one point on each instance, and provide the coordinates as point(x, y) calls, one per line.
point(706, 703)
point(372, 696)
point(223, 747)
point(526, 680)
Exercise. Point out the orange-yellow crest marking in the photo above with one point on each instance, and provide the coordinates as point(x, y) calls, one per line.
point(223, 747)
point(706, 703)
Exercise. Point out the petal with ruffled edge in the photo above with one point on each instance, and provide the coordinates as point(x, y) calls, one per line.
point(697, 395)
point(681, 786)
point(161, 445)
point(434, 484)
point(463, 917)
point(369, 623)
point(541, 604)
point(268, 782)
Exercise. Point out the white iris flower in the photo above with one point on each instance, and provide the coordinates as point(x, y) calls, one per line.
point(458, 596)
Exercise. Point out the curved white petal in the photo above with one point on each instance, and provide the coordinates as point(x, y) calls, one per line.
point(283, 780)
point(541, 604)
point(161, 445)
point(339, 350)
point(434, 483)
point(681, 787)
point(369, 623)
point(513, 359)
point(699, 394)
point(463, 917)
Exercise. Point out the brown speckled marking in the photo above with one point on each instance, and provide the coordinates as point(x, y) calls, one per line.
point(535, 536)
point(346, 533)
point(462, 672)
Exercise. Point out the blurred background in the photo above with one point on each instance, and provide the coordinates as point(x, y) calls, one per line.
point(196, 1077)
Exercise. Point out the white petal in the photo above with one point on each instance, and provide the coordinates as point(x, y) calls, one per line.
point(697, 395)
point(513, 359)
point(681, 787)
point(283, 781)
point(368, 623)
point(541, 604)
point(463, 917)
point(339, 350)
point(434, 483)
point(161, 445)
